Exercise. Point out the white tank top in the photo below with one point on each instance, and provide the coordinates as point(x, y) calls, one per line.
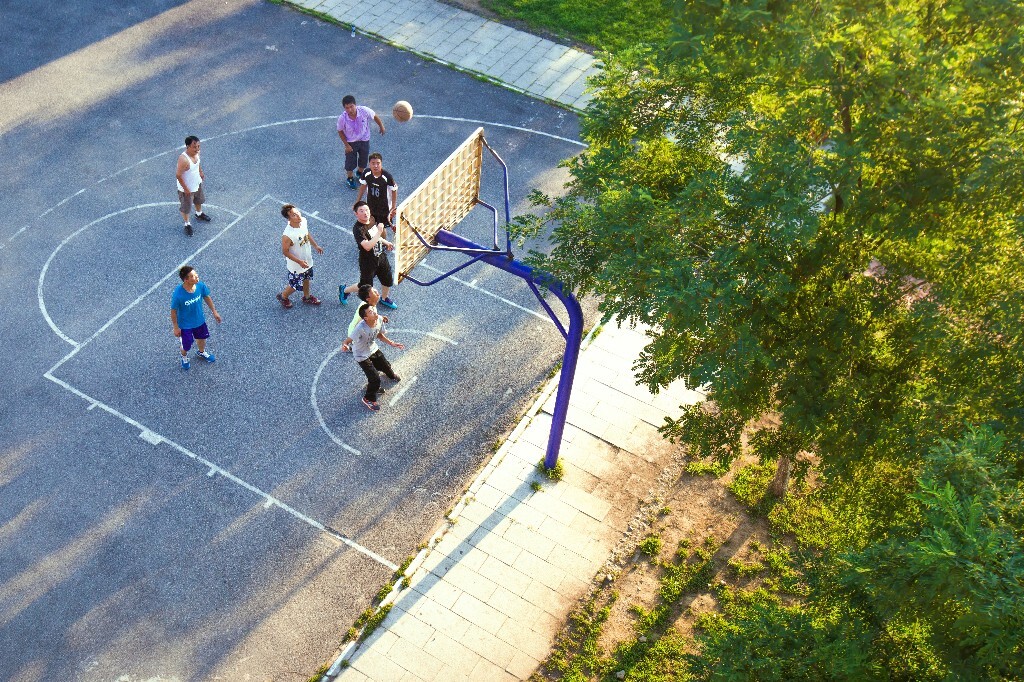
point(191, 176)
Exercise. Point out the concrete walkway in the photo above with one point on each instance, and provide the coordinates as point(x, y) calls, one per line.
point(493, 589)
point(521, 61)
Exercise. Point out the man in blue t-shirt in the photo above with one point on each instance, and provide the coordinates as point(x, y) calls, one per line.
point(187, 319)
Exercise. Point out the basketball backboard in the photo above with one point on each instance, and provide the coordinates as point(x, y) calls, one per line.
point(439, 203)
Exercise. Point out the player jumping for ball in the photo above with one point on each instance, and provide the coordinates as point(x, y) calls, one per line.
point(373, 256)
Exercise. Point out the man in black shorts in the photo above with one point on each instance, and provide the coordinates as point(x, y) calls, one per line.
point(373, 255)
point(381, 191)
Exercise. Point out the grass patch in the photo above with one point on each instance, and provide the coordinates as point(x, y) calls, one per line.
point(701, 467)
point(576, 654)
point(374, 621)
point(319, 674)
point(605, 24)
point(555, 473)
point(751, 487)
point(688, 572)
point(650, 546)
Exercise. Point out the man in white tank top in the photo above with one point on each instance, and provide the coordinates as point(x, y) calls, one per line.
point(190, 178)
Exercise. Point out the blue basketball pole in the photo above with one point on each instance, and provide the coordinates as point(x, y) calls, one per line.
point(573, 336)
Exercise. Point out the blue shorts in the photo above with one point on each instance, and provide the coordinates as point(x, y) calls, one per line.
point(358, 157)
point(295, 278)
point(187, 335)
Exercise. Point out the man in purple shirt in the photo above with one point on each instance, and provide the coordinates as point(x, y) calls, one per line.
point(354, 131)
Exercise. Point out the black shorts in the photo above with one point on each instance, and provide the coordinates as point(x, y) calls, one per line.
point(379, 267)
point(382, 217)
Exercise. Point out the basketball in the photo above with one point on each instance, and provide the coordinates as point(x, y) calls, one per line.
point(402, 111)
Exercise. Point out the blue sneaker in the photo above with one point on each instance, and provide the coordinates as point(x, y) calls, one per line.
point(209, 357)
point(184, 362)
point(342, 296)
point(388, 303)
point(352, 183)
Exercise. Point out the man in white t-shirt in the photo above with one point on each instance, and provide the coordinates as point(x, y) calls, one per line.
point(297, 245)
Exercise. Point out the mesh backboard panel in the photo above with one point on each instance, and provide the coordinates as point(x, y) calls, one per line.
point(439, 203)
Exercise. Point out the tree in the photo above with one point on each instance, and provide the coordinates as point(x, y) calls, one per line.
point(817, 208)
point(942, 597)
point(956, 571)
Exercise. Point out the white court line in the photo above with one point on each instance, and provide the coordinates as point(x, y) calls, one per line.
point(147, 433)
point(474, 287)
point(330, 356)
point(430, 334)
point(181, 148)
point(316, 407)
point(311, 215)
point(405, 388)
point(213, 469)
point(46, 267)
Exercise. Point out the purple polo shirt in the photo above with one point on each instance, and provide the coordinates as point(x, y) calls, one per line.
point(359, 129)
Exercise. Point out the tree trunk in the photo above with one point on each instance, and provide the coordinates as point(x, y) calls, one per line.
point(780, 484)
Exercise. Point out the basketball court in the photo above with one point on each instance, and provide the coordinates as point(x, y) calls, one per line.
point(234, 520)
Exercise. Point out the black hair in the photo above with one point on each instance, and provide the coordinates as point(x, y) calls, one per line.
point(362, 310)
point(355, 206)
point(364, 292)
point(190, 139)
point(184, 271)
point(287, 209)
point(348, 99)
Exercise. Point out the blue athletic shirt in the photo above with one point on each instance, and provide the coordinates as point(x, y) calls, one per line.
point(190, 306)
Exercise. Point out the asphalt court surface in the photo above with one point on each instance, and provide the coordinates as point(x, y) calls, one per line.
point(193, 526)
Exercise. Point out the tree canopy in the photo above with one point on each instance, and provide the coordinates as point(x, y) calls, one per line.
point(817, 207)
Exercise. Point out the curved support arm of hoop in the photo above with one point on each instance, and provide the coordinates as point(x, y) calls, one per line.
point(445, 275)
point(508, 208)
point(573, 337)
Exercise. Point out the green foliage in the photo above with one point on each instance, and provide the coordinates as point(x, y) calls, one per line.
point(383, 592)
point(536, 487)
point(688, 572)
point(815, 208)
point(606, 24)
point(810, 188)
point(555, 473)
point(746, 569)
point(661, 660)
point(733, 645)
point(320, 673)
point(650, 546)
point(957, 574)
point(701, 467)
point(750, 486)
point(374, 621)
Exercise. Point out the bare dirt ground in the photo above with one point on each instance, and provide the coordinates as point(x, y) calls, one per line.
point(678, 507)
point(690, 508)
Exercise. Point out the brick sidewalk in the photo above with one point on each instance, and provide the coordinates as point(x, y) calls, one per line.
point(501, 575)
point(521, 61)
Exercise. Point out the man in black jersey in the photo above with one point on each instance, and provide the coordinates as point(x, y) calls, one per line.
point(379, 186)
point(373, 256)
